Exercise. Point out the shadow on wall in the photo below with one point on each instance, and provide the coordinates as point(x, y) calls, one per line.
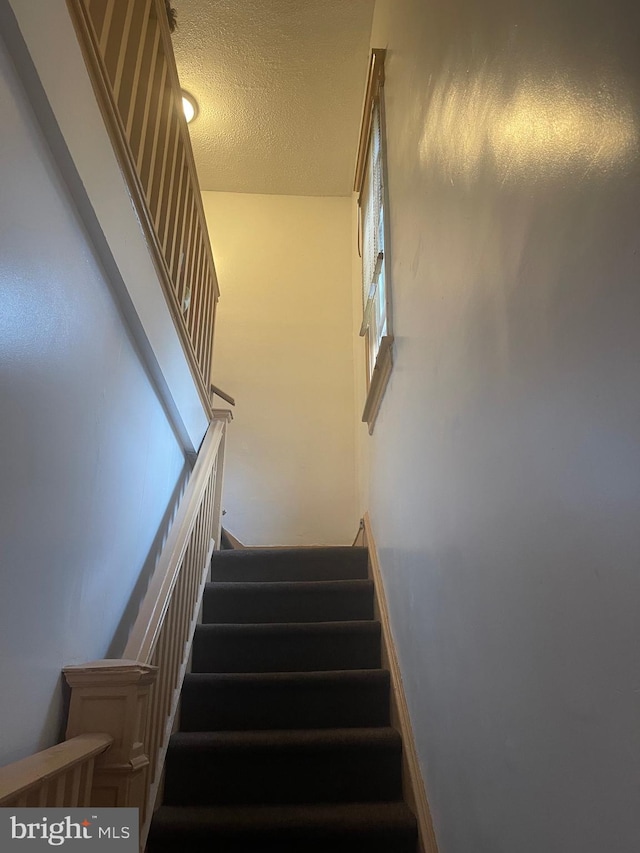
point(117, 645)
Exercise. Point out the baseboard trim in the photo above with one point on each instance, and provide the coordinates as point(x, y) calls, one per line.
point(413, 784)
point(232, 543)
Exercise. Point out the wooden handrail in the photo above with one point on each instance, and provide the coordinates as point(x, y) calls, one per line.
point(61, 764)
point(138, 695)
point(144, 633)
point(220, 393)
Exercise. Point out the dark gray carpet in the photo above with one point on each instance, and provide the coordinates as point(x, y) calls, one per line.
point(285, 743)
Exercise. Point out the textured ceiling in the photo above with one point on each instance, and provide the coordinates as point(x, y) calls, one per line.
point(279, 85)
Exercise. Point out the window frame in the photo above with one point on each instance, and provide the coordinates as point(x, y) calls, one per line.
point(379, 355)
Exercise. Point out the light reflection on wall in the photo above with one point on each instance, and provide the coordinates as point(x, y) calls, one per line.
point(536, 130)
point(33, 321)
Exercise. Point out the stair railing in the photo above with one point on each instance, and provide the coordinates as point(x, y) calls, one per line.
point(122, 712)
point(135, 699)
point(218, 392)
point(129, 56)
point(61, 776)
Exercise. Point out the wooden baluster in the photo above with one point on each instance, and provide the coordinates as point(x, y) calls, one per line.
point(165, 685)
point(156, 718)
point(217, 503)
point(211, 504)
point(182, 279)
point(158, 106)
point(195, 564)
point(197, 288)
point(197, 314)
point(150, 733)
point(193, 271)
point(106, 26)
point(202, 279)
point(151, 93)
point(187, 268)
point(86, 788)
point(96, 12)
point(168, 201)
point(74, 786)
point(122, 50)
point(204, 316)
point(182, 620)
point(194, 580)
point(139, 115)
point(166, 125)
point(59, 799)
point(128, 75)
point(212, 326)
point(176, 226)
point(182, 611)
point(208, 346)
point(114, 40)
point(208, 325)
point(169, 156)
point(171, 629)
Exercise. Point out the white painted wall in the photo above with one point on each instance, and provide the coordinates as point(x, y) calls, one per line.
point(505, 464)
point(283, 349)
point(89, 463)
point(43, 43)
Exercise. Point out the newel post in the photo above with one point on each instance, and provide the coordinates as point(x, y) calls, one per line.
point(112, 696)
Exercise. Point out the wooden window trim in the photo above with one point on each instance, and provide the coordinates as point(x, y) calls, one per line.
point(375, 81)
point(378, 378)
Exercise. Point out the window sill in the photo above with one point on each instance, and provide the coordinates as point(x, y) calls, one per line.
point(379, 380)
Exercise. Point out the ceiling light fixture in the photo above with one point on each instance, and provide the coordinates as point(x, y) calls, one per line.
point(189, 106)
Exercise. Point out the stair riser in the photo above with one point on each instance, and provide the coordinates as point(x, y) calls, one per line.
point(290, 565)
point(220, 650)
point(285, 745)
point(225, 605)
point(202, 778)
point(222, 705)
point(289, 842)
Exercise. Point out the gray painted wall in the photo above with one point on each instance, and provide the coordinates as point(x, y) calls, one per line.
point(505, 465)
point(89, 465)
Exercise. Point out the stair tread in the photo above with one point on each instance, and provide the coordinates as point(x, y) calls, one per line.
point(286, 646)
point(285, 700)
point(315, 816)
point(287, 743)
point(361, 626)
point(302, 551)
point(338, 586)
point(315, 676)
point(284, 739)
point(284, 564)
point(284, 767)
point(265, 601)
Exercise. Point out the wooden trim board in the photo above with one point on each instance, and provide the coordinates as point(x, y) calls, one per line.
point(413, 785)
point(375, 80)
point(379, 381)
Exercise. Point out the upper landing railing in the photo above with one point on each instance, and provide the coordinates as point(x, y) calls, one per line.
point(127, 48)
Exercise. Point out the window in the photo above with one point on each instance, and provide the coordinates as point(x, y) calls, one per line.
point(370, 185)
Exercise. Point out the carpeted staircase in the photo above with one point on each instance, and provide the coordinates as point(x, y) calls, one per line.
point(285, 744)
